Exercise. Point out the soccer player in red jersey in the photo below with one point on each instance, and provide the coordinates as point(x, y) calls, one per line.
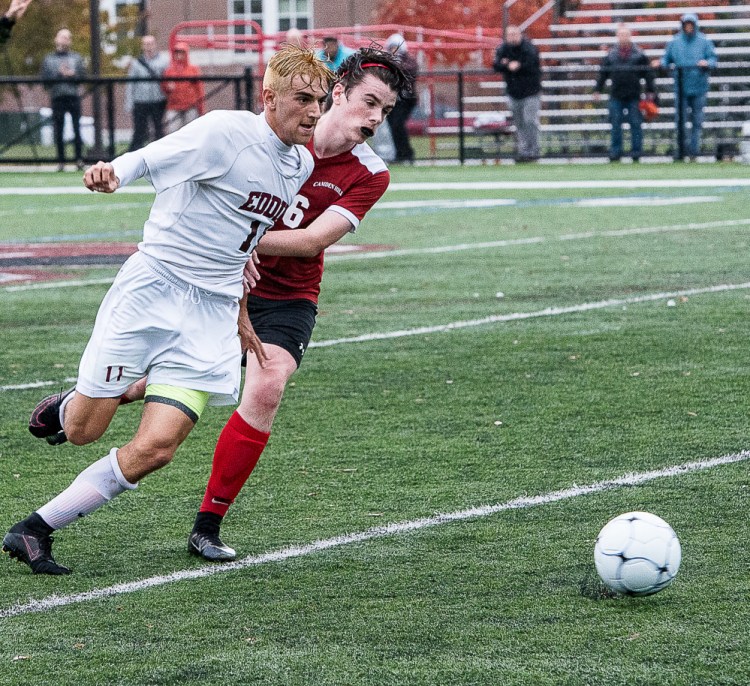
point(347, 180)
point(171, 313)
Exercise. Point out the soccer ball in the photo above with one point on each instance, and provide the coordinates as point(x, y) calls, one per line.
point(637, 554)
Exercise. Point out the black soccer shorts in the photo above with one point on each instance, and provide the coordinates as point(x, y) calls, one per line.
point(286, 323)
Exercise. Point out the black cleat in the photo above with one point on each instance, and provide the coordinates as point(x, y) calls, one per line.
point(209, 547)
point(32, 548)
point(45, 419)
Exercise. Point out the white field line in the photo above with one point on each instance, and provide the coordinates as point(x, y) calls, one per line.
point(59, 284)
point(492, 319)
point(483, 203)
point(36, 384)
point(446, 186)
point(475, 203)
point(82, 190)
point(397, 206)
point(394, 529)
point(563, 185)
point(488, 245)
point(108, 207)
point(518, 316)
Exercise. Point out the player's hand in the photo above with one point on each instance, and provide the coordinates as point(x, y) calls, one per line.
point(251, 344)
point(703, 64)
point(101, 178)
point(251, 275)
point(17, 8)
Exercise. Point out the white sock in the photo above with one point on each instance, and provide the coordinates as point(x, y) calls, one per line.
point(93, 487)
point(63, 405)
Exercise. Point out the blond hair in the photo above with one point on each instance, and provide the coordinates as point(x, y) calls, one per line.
point(293, 60)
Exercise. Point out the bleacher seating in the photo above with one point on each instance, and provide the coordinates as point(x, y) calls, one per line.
point(575, 123)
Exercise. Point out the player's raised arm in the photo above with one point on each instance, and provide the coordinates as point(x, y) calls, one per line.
point(101, 178)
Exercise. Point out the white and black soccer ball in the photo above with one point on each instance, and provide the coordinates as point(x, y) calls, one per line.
point(637, 554)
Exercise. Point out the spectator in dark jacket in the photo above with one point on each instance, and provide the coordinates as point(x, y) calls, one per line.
point(63, 69)
point(626, 65)
point(404, 106)
point(14, 13)
point(518, 60)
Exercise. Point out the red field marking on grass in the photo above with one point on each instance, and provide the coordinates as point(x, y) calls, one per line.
point(20, 258)
point(12, 276)
point(39, 262)
point(62, 250)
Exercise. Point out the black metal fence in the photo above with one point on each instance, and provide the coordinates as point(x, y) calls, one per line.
point(26, 119)
point(469, 118)
point(462, 115)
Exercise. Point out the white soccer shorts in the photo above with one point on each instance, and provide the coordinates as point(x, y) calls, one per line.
point(152, 323)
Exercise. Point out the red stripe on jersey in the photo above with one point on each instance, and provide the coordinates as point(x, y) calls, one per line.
point(353, 181)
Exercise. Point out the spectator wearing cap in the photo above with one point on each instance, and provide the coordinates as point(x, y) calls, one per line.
point(403, 108)
point(185, 99)
point(693, 55)
point(625, 66)
point(333, 53)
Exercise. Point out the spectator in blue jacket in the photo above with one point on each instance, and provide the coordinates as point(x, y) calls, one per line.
point(334, 53)
point(693, 54)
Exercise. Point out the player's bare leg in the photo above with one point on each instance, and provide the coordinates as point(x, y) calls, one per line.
point(161, 431)
point(85, 421)
point(239, 448)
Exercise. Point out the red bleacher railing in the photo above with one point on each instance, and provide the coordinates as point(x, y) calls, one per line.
point(435, 45)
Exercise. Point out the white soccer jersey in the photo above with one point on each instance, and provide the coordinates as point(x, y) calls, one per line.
point(220, 182)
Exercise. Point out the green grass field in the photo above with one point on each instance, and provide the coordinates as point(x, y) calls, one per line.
point(595, 377)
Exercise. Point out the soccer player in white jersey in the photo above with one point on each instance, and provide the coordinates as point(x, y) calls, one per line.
point(348, 179)
point(171, 313)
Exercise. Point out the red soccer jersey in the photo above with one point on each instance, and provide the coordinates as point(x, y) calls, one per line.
point(350, 184)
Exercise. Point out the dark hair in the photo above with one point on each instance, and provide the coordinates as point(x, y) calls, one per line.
point(377, 62)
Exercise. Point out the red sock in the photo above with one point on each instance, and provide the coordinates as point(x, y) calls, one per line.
point(237, 452)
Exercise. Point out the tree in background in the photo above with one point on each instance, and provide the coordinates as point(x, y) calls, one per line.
point(34, 36)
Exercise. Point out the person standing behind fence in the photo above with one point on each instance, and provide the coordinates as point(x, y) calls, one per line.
point(692, 54)
point(63, 69)
point(185, 99)
point(333, 53)
point(518, 60)
point(145, 99)
point(625, 65)
point(403, 108)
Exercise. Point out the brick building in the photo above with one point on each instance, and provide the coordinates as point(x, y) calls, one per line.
point(272, 15)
